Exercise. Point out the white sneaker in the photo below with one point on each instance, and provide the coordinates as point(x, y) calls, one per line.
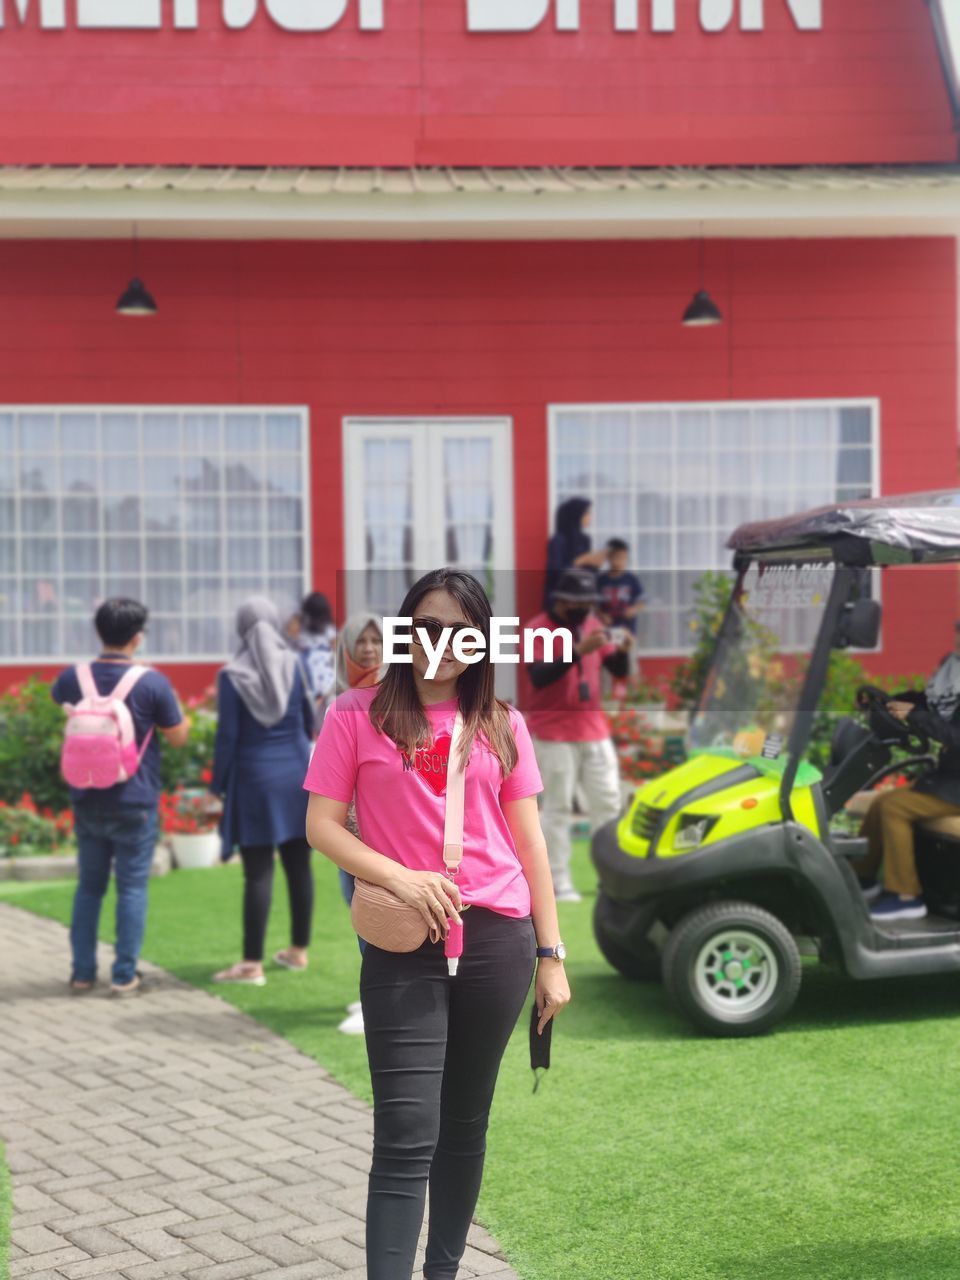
point(353, 1025)
point(355, 1007)
point(568, 895)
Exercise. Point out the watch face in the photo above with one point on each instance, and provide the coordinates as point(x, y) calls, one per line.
point(561, 951)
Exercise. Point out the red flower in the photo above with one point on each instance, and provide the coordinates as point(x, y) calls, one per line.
point(206, 775)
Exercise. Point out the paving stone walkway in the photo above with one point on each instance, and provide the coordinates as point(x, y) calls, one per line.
point(171, 1135)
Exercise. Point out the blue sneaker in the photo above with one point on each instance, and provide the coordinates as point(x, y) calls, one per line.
point(890, 906)
point(871, 889)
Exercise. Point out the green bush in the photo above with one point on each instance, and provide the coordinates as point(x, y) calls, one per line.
point(712, 592)
point(190, 766)
point(24, 831)
point(31, 734)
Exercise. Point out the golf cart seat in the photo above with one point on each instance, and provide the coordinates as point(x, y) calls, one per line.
point(856, 756)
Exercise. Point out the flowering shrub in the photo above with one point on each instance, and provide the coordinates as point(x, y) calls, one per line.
point(183, 814)
point(639, 689)
point(31, 735)
point(192, 764)
point(27, 830)
point(642, 754)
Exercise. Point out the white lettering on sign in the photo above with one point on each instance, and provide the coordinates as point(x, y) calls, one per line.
point(715, 15)
point(129, 14)
point(185, 13)
point(306, 15)
point(52, 12)
point(482, 15)
point(506, 15)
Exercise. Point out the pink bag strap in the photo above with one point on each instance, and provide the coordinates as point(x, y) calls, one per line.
point(88, 686)
point(453, 811)
point(122, 692)
point(125, 685)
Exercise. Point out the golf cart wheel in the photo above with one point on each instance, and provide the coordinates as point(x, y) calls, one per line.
point(641, 964)
point(732, 968)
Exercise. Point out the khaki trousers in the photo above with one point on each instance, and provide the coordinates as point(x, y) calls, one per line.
point(888, 827)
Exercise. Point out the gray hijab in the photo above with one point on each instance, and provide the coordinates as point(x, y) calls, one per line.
point(264, 667)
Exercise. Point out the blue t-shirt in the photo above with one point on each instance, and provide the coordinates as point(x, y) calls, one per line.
point(151, 703)
point(617, 594)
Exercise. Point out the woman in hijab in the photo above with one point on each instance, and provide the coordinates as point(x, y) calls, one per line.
point(359, 665)
point(264, 725)
point(569, 548)
point(315, 637)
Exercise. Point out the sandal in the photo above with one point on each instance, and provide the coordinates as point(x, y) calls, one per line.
point(80, 988)
point(127, 988)
point(241, 972)
point(282, 958)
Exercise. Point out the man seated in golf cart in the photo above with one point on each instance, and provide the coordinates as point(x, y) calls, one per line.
point(888, 825)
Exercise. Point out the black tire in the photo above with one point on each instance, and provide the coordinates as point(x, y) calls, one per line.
point(641, 965)
point(698, 980)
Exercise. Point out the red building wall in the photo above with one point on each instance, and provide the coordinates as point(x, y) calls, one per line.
point(866, 88)
point(504, 329)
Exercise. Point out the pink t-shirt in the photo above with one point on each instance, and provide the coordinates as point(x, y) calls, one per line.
point(556, 712)
point(400, 803)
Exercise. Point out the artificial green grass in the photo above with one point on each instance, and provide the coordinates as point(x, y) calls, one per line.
point(825, 1151)
point(5, 1211)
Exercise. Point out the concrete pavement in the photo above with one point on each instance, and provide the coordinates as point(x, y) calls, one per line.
point(171, 1135)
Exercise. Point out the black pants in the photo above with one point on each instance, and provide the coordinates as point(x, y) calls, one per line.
point(434, 1044)
point(258, 890)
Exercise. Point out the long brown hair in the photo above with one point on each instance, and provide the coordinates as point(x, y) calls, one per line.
point(397, 710)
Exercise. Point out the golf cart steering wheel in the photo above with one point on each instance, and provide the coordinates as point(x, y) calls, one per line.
point(884, 724)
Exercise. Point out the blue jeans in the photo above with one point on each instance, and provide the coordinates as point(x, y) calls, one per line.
point(126, 838)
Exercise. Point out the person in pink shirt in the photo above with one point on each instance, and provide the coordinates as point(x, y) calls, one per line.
point(562, 704)
point(435, 1042)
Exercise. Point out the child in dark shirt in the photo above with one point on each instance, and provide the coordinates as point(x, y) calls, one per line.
point(621, 592)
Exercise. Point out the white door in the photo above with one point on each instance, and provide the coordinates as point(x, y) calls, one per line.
point(427, 493)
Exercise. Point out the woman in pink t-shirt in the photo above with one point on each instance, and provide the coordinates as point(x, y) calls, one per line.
point(434, 1043)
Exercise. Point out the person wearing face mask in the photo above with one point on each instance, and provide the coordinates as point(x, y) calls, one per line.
point(571, 735)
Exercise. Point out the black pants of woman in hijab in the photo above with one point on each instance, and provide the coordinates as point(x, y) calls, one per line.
point(258, 860)
point(434, 1044)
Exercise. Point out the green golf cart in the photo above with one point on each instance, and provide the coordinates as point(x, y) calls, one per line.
point(723, 869)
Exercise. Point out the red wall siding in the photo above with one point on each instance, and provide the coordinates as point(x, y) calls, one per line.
point(504, 329)
point(867, 88)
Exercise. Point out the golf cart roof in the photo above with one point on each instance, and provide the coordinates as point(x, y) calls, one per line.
point(910, 528)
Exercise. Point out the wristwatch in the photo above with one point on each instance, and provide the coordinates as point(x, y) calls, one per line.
point(559, 952)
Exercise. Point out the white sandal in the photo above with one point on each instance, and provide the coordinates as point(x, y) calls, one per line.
point(240, 973)
point(284, 962)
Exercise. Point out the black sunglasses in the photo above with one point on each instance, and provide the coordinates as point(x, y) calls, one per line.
point(434, 630)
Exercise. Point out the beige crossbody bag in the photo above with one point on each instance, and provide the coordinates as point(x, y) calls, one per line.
point(383, 919)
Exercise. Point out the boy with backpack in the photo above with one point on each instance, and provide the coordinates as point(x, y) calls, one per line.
point(111, 758)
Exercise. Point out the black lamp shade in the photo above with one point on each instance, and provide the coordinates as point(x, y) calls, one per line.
point(702, 310)
point(136, 301)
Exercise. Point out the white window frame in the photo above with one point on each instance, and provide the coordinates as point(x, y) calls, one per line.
point(192, 659)
point(871, 403)
point(428, 478)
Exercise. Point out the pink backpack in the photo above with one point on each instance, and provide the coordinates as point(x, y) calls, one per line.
point(99, 741)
